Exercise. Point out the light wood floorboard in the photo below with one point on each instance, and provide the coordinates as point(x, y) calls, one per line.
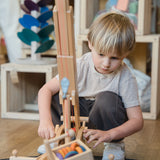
point(22, 135)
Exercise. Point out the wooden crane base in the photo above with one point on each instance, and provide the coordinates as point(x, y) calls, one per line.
point(59, 139)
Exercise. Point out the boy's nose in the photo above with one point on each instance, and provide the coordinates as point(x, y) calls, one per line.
point(106, 63)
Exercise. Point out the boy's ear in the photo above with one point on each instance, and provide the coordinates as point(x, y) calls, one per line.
point(89, 45)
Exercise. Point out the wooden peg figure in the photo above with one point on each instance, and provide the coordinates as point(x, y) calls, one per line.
point(14, 153)
point(111, 157)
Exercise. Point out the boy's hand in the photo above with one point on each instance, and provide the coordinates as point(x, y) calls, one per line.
point(100, 136)
point(46, 130)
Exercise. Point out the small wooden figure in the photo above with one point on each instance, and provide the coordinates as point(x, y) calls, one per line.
point(111, 157)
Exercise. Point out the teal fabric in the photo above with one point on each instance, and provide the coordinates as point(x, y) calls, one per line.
point(45, 46)
point(27, 36)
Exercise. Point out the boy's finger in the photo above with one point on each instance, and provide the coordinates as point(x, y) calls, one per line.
point(91, 138)
point(96, 144)
point(87, 134)
point(85, 130)
point(41, 134)
point(47, 134)
point(52, 134)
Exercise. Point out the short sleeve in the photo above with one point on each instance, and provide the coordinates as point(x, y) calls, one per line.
point(129, 91)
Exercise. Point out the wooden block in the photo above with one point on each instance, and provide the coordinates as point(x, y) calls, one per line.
point(138, 58)
point(16, 96)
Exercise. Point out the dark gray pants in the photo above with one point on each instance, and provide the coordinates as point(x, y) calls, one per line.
point(105, 112)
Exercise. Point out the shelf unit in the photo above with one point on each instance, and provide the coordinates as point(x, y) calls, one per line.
point(139, 62)
point(86, 10)
point(143, 38)
point(20, 85)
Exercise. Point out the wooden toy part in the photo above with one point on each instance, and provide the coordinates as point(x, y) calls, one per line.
point(66, 57)
point(70, 133)
point(14, 156)
point(80, 133)
point(14, 152)
point(82, 119)
point(111, 157)
point(56, 129)
point(59, 130)
point(67, 115)
point(50, 155)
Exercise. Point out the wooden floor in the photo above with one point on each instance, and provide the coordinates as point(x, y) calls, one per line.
point(22, 135)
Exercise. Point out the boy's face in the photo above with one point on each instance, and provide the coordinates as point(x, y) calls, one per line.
point(105, 64)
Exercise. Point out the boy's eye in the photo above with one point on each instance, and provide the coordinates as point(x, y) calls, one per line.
point(101, 55)
point(114, 58)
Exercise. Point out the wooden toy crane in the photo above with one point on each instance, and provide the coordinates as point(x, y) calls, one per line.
point(64, 30)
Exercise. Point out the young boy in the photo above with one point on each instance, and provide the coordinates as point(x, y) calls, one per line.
point(108, 92)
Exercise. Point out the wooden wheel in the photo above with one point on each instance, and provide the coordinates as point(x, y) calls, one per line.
point(80, 133)
point(59, 132)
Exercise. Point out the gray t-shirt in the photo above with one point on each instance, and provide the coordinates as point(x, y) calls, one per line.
point(121, 82)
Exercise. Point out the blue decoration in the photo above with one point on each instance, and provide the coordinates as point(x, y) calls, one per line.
point(46, 31)
point(83, 149)
point(64, 84)
point(111, 3)
point(45, 16)
point(47, 44)
point(42, 29)
point(44, 25)
point(44, 9)
point(27, 36)
point(71, 153)
point(133, 7)
point(27, 21)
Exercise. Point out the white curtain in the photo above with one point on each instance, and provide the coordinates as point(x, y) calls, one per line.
point(9, 15)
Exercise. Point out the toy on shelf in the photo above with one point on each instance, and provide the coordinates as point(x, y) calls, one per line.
point(130, 7)
point(139, 11)
point(37, 31)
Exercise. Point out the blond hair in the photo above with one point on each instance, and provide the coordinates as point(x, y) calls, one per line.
point(112, 33)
